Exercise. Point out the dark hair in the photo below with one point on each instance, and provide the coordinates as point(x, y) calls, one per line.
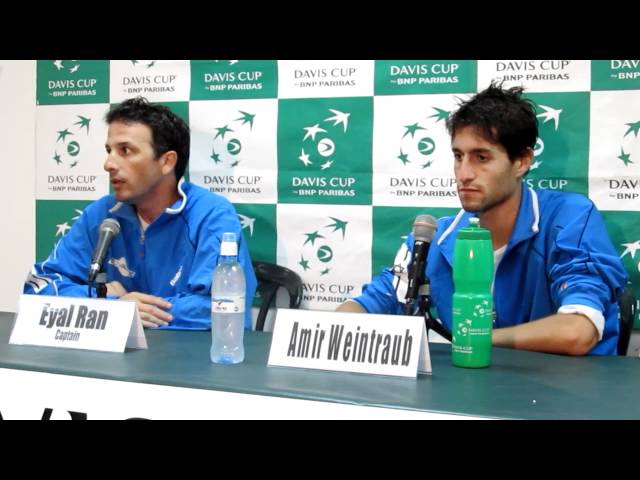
point(502, 116)
point(168, 131)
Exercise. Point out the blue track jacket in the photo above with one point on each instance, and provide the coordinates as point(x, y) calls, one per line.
point(174, 258)
point(559, 254)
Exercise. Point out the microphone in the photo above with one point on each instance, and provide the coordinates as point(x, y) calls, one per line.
point(109, 229)
point(424, 229)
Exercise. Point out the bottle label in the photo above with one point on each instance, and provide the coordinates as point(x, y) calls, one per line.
point(228, 304)
point(472, 324)
point(229, 249)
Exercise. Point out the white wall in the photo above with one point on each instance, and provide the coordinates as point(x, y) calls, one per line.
point(17, 183)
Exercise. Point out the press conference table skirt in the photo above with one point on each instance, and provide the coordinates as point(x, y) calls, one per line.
point(518, 384)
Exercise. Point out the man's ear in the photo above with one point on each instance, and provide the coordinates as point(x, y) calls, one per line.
point(523, 163)
point(168, 162)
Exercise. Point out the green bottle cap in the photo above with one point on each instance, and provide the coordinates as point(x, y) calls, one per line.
point(474, 231)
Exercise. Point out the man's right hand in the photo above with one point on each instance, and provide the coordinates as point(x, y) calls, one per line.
point(151, 308)
point(351, 306)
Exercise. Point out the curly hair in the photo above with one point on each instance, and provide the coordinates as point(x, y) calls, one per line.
point(501, 116)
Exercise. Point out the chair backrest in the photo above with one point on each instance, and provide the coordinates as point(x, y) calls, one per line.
point(270, 278)
point(627, 315)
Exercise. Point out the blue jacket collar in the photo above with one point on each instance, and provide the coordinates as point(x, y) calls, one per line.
point(126, 211)
point(527, 224)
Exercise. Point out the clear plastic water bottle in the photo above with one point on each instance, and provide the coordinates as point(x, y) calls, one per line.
point(228, 305)
point(472, 301)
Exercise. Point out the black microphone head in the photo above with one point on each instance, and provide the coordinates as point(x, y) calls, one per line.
point(110, 224)
point(424, 228)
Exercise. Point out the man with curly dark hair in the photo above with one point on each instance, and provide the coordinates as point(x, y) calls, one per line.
point(557, 275)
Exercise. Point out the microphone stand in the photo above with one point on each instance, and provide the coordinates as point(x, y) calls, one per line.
point(424, 308)
point(101, 284)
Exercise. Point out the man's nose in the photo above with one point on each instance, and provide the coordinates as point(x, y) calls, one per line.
point(110, 164)
point(465, 171)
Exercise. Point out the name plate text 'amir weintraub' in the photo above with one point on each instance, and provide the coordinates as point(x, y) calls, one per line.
point(350, 342)
point(82, 323)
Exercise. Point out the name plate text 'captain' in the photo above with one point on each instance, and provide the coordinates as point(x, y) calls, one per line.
point(82, 323)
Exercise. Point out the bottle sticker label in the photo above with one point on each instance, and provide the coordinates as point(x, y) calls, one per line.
point(228, 304)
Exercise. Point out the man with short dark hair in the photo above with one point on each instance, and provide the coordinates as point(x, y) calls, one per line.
point(557, 276)
point(170, 230)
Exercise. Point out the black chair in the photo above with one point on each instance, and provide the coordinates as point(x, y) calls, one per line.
point(627, 315)
point(270, 278)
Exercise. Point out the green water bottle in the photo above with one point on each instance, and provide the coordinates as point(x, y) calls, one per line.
point(472, 301)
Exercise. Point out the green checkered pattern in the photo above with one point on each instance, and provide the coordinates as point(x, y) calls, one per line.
point(328, 162)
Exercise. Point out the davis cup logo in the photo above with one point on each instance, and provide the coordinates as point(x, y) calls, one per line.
point(318, 146)
point(63, 228)
point(462, 328)
point(631, 249)
point(227, 146)
point(67, 149)
point(629, 147)
point(143, 63)
point(416, 145)
point(247, 222)
point(548, 114)
point(317, 252)
point(69, 66)
point(481, 309)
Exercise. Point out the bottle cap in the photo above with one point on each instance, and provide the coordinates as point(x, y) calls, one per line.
point(473, 258)
point(229, 246)
point(474, 231)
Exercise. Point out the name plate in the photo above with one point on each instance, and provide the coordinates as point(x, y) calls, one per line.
point(350, 342)
point(82, 323)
